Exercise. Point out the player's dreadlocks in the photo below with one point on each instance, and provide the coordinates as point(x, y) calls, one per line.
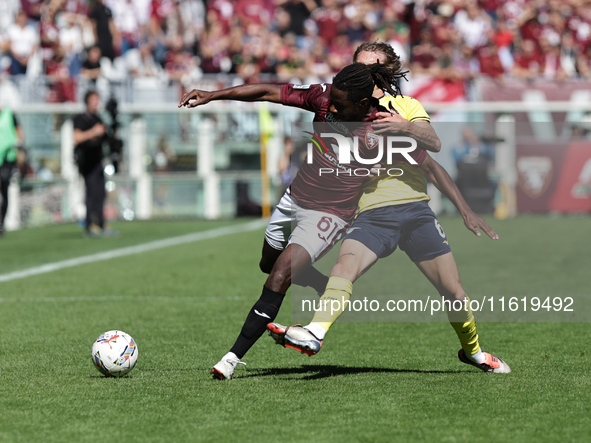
point(359, 80)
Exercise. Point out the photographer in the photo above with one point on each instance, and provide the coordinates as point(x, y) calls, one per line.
point(11, 136)
point(89, 135)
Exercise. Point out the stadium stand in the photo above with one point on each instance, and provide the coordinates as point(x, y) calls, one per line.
point(56, 46)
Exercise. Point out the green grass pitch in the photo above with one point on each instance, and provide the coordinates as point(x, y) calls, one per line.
point(372, 382)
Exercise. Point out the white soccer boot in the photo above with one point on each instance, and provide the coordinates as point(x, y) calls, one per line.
point(224, 369)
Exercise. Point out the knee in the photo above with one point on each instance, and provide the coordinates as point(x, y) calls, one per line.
point(452, 290)
point(278, 280)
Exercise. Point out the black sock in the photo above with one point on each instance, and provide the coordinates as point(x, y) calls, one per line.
point(263, 312)
point(311, 277)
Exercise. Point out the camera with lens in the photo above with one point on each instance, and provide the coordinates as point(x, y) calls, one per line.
point(114, 143)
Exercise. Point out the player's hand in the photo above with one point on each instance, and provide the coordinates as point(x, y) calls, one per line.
point(474, 222)
point(389, 122)
point(375, 170)
point(199, 98)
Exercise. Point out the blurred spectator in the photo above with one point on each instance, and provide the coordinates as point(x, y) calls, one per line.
point(551, 66)
point(577, 132)
point(163, 157)
point(473, 159)
point(471, 149)
point(126, 18)
point(466, 68)
point(283, 21)
point(23, 166)
point(491, 7)
point(49, 33)
point(554, 28)
point(568, 55)
point(221, 12)
point(356, 29)
point(180, 63)
point(473, 24)
point(253, 60)
point(141, 63)
point(293, 66)
point(47, 170)
point(490, 63)
point(527, 61)
point(441, 25)
point(158, 30)
point(32, 9)
point(105, 32)
point(62, 86)
point(91, 68)
point(394, 31)
point(298, 11)
point(446, 61)
point(316, 65)
point(22, 43)
point(340, 53)
point(71, 41)
point(503, 38)
point(191, 18)
point(328, 20)
point(214, 55)
point(584, 63)
point(252, 12)
point(424, 55)
point(8, 10)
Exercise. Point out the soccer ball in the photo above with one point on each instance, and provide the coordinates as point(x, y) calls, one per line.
point(114, 353)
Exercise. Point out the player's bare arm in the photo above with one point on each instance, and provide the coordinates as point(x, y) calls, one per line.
point(442, 181)
point(244, 93)
point(420, 130)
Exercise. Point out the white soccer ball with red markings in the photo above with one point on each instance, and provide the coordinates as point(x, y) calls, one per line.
point(114, 353)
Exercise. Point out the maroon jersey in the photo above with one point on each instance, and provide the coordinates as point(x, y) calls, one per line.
point(313, 188)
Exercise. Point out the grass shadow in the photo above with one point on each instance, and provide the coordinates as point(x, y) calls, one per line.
point(323, 371)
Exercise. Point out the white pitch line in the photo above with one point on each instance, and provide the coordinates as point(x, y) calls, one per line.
point(130, 250)
point(118, 298)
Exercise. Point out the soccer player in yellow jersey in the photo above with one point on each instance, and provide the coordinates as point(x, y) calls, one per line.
point(394, 211)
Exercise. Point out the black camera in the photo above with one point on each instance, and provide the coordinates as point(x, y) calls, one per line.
point(114, 143)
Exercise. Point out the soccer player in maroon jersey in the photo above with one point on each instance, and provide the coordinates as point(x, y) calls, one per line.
point(289, 254)
point(394, 212)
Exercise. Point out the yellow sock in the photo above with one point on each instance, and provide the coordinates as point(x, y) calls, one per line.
point(465, 326)
point(333, 301)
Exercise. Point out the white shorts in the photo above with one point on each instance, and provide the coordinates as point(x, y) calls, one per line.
point(317, 232)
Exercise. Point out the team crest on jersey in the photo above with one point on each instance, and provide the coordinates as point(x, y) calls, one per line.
point(371, 139)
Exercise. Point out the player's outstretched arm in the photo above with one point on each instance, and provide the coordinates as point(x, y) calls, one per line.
point(244, 93)
point(420, 130)
point(442, 181)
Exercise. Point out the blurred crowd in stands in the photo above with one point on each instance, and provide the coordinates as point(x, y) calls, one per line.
point(301, 41)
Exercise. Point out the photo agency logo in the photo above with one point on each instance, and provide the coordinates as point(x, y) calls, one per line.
point(350, 152)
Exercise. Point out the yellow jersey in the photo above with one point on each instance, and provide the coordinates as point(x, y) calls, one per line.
point(409, 187)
